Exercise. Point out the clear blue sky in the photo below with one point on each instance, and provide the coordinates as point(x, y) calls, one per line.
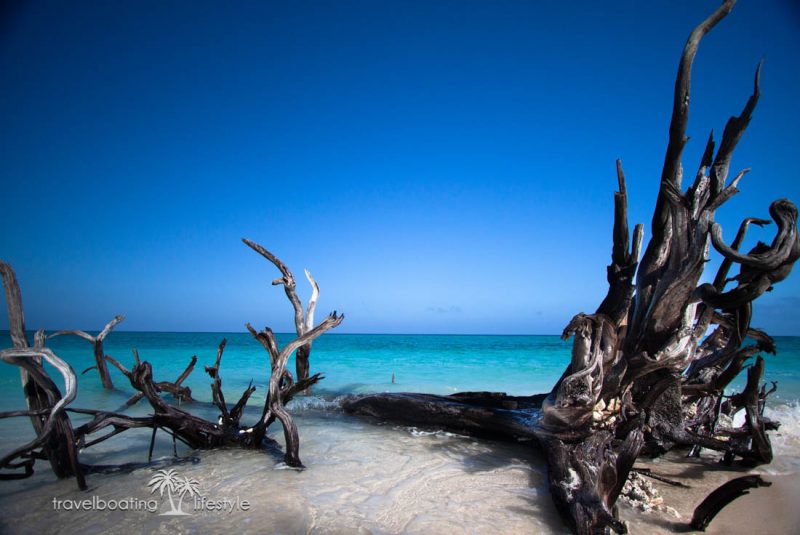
point(441, 167)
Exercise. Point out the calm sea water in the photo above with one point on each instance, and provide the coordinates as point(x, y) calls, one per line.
point(357, 363)
point(360, 477)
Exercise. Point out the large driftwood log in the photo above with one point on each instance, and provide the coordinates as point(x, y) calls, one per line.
point(483, 414)
point(645, 374)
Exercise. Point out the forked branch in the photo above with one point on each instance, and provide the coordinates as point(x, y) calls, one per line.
point(302, 322)
point(97, 344)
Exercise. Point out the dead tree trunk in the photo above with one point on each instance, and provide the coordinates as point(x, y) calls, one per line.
point(97, 345)
point(642, 377)
point(303, 322)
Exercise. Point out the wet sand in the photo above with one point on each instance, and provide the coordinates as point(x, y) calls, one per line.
point(764, 511)
point(366, 478)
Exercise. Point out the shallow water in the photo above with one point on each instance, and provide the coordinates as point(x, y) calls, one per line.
point(360, 477)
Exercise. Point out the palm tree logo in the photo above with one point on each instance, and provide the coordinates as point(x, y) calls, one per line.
point(168, 480)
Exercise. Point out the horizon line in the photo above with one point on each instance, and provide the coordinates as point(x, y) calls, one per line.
point(27, 330)
point(329, 333)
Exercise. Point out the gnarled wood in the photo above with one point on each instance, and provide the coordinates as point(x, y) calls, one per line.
point(643, 376)
point(282, 386)
point(97, 345)
point(56, 440)
point(179, 392)
point(302, 322)
point(53, 429)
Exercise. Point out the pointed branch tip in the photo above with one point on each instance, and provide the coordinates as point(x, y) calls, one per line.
point(757, 79)
point(621, 178)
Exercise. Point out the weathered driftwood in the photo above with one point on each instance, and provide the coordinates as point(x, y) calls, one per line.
point(482, 414)
point(191, 430)
point(282, 386)
point(97, 344)
point(303, 321)
point(644, 376)
point(57, 441)
point(179, 392)
point(54, 435)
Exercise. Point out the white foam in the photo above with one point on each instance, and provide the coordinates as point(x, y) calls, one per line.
point(786, 440)
point(432, 433)
point(306, 403)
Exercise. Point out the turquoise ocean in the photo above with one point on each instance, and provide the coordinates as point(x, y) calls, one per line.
point(359, 363)
point(359, 477)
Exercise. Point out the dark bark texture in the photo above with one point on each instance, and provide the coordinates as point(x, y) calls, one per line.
point(650, 365)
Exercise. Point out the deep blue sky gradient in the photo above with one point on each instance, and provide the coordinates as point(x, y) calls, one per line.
point(440, 166)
